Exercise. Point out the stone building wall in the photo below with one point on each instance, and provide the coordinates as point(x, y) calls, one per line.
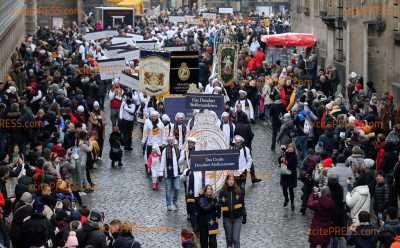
point(12, 31)
point(369, 33)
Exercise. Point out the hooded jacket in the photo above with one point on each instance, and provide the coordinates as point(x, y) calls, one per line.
point(358, 200)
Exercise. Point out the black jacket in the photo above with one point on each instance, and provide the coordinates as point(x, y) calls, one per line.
point(90, 235)
point(388, 232)
point(209, 211)
point(244, 130)
point(126, 240)
point(21, 211)
point(36, 231)
point(366, 236)
point(232, 203)
point(381, 197)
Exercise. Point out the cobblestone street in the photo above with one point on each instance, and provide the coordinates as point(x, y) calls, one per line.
point(126, 194)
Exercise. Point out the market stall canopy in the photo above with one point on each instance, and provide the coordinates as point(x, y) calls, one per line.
point(290, 40)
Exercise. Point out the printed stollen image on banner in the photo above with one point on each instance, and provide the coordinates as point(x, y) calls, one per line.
point(154, 72)
point(227, 63)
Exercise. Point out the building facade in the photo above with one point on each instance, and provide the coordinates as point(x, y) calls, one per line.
point(59, 13)
point(361, 36)
point(12, 31)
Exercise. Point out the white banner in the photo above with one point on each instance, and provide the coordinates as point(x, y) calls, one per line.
point(109, 68)
point(209, 15)
point(129, 81)
point(136, 36)
point(177, 19)
point(174, 49)
point(225, 10)
point(129, 55)
point(146, 45)
point(100, 35)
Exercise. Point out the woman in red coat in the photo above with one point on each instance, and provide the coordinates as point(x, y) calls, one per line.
point(380, 152)
point(322, 204)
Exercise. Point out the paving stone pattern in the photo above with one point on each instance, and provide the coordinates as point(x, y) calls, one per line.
point(126, 194)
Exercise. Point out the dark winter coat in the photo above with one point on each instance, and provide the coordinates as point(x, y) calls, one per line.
point(126, 240)
point(36, 231)
point(322, 219)
point(232, 203)
point(290, 180)
point(389, 159)
point(381, 197)
point(388, 232)
point(209, 211)
point(91, 235)
point(20, 213)
point(115, 145)
point(244, 130)
point(366, 236)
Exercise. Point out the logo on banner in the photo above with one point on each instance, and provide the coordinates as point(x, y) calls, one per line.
point(184, 72)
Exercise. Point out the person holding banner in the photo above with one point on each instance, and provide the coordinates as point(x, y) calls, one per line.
point(193, 183)
point(168, 128)
point(170, 167)
point(227, 127)
point(231, 200)
point(209, 213)
point(127, 117)
point(245, 161)
point(153, 132)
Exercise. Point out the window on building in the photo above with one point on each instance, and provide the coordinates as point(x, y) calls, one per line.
point(306, 6)
point(322, 5)
point(331, 7)
point(316, 7)
point(396, 17)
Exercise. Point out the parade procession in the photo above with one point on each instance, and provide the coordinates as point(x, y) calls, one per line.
point(195, 126)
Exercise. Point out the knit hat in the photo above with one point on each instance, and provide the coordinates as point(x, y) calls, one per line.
point(327, 163)
point(72, 240)
point(81, 109)
point(27, 198)
point(38, 207)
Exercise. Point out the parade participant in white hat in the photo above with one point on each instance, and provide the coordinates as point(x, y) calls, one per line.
point(193, 183)
point(180, 129)
point(170, 167)
point(168, 128)
point(153, 131)
point(246, 105)
point(191, 121)
point(245, 161)
point(115, 96)
point(227, 127)
point(210, 87)
point(127, 116)
point(154, 166)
